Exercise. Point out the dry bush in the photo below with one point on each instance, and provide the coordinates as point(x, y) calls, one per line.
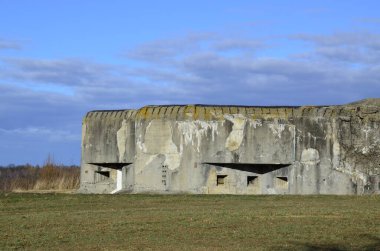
point(23, 177)
point(55, 177)
point(48, 177)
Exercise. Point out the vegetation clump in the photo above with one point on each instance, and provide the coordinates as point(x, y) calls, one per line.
point(50, 176)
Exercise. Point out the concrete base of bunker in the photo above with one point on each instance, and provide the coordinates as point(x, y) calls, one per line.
point(104, 177)
point(243, 178)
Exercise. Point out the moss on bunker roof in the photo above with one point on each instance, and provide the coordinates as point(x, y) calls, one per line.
point(217, 112)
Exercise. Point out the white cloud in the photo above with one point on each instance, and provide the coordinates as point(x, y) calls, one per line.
point(40, 132)
point(164, 49)
point(7, 44)
point(348, 47)
point(195, 69)
point(70, 72)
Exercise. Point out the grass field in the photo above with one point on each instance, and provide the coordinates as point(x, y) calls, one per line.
point(188, 222)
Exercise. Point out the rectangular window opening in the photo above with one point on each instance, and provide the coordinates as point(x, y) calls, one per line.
point(251, 180)
point(220, 180)
point(104, 173)
point(283, 178)
point(101, 176)
point(281, 182)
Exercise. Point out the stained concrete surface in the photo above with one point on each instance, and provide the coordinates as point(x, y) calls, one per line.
point(233, 150)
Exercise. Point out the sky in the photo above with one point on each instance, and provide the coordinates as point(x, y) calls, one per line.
point(61, 59)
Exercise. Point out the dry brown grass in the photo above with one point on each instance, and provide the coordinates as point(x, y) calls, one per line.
point(34, 178)
point(52, 177)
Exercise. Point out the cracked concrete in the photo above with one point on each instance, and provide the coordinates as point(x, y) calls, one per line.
point(233, 149)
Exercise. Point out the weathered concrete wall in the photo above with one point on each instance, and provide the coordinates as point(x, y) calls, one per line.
point(237, 150)
point(108, 144)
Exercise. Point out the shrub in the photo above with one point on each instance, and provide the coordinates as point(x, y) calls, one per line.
point(48, 177)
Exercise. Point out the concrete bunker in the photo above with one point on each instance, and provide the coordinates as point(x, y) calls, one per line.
point(233, 149)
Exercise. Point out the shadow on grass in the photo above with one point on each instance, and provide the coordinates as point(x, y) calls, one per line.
point(374, 244)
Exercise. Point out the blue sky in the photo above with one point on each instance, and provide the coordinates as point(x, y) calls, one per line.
point(60, 59)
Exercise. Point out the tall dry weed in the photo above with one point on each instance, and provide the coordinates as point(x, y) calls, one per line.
point(48, 177)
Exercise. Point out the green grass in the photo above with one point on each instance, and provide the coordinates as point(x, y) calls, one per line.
point(188, 222)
